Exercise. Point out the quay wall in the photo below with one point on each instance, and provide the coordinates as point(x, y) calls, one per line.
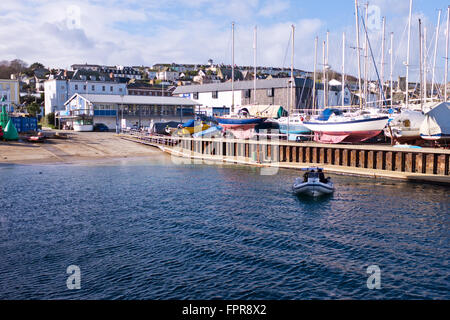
point(425, 164)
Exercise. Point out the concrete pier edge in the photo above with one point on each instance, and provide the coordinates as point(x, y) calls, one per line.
point(408, 159)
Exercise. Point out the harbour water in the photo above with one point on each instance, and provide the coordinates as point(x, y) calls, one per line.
point(151, 229)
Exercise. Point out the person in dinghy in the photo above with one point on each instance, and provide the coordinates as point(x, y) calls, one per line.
point(313, 183)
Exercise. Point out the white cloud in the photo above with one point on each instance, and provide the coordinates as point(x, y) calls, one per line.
point(273, 8)
point(135, 33)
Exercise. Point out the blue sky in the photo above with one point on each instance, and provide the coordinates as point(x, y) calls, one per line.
point(60, 33)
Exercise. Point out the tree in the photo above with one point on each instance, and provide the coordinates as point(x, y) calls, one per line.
point(34, 109)
point(36, 65)
point(15, 66)
point(50, 119)
point(18, 65)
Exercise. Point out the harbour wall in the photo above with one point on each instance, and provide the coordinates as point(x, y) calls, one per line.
point(378, 161)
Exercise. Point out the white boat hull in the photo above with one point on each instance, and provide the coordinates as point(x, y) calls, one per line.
point(436, 125)
point(362, 125)
point(292, 125)
point(347, 130)
point(405, 126)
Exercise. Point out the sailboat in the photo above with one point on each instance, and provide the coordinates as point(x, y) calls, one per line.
point(293, 124)
point(334, 126)
point(242, 123)
point(436, 125)
point(405, 127)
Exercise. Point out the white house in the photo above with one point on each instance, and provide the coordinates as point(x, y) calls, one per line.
point(60, 88)
point(167, 75)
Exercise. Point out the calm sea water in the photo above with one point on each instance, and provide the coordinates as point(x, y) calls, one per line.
point(150, 229)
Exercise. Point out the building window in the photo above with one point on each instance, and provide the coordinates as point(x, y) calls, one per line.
point(111, 88)
point(93, 87)
point(103, 88)
point(215, 94)
point(195, 95)
point(76, 87)
point(270, 92)
point(248, 93)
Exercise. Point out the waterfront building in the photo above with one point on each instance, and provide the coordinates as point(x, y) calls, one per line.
point(10, 93)
point(216, 98)
point(146, 89)
point(129, 110)
point(58, 88)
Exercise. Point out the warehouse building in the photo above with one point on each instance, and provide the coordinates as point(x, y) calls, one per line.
point(126, 110)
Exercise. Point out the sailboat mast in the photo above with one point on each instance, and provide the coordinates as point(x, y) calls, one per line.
point(343, 69)
point(366, 59)
point(382, 58)
point(314, 80)
point(421, 62)
point(446, 55)
point(425, 65)
point(323, 76)
point(407, 53)
point(326, 67)
point(435, 52)
point(232, 67)
point(254, 70)
point(392, 69)
point(358, 52)
point(292, 69)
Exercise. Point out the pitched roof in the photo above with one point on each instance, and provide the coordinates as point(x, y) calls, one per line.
point(83, 75)
point(131, 99)
point(244, 85)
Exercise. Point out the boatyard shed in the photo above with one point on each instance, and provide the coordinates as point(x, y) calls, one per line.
point(128, 110)
point(216, 98)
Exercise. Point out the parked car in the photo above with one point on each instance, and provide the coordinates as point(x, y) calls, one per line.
point(101, 127)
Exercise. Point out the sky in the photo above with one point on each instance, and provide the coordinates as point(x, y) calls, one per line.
point(144, 32)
